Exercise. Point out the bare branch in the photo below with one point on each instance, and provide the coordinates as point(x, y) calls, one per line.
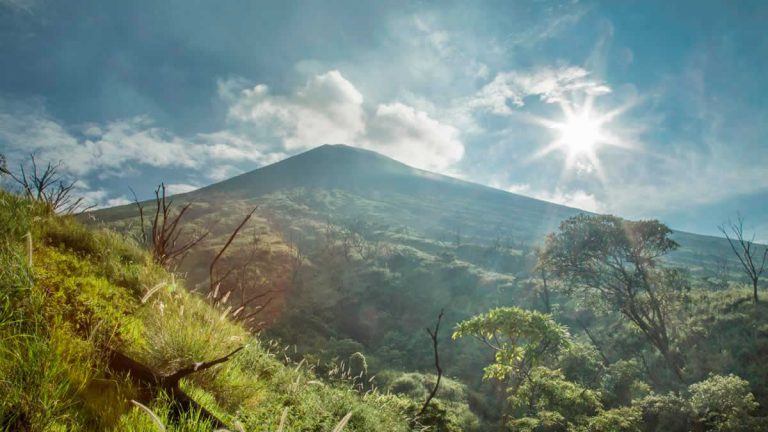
point(47, 186)
point(213, 281)
point(434, 335)
point(166, 231)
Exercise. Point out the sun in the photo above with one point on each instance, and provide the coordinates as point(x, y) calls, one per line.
point(581, 134)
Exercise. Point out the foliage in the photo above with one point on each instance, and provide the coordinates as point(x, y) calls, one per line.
point(449, 410)
point(724, 403)
point(547, 399)
point(623, 419)
point(615, 263)
point(665, 413)
point(521, 340)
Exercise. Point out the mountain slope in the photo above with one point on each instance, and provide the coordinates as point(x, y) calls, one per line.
point(394, 194)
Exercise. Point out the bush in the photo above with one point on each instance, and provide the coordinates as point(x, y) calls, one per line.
point(724, 403)
point(665, 413)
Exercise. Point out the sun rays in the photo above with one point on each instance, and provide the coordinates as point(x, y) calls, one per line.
point(581, 134)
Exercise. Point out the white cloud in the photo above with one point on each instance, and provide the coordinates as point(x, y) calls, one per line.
point(98, 198)
point(402, 132)
point(684, 181)
point(578, 198)
point(118, 201)
point(122, 146)
point(330, 110)
point(229, 146)
point(180, 188)
point(27, 6)
point(108, 147)
point(549, 84)
point(223, 172)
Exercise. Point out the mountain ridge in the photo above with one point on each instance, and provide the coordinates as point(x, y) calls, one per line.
point(318, 163)
point(379, 189)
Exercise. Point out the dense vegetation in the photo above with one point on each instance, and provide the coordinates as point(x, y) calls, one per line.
point(596, 331)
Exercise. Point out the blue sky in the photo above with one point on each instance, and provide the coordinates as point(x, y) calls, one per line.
point(191, 92)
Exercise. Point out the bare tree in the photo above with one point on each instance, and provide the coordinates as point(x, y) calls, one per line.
point(433, 335)
point(165, 236)
point(47, 185)
point(254, 291)
point(748, 253)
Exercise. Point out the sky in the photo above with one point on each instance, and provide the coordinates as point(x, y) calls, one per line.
point(643, 109)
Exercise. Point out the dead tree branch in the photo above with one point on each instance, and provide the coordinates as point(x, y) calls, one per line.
point(48, 186)
point(214, 281)
point(154, 383)
point(434, 335)
point(746, 251)
point(166, 232)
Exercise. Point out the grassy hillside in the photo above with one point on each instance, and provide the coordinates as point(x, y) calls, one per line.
point(69, 294)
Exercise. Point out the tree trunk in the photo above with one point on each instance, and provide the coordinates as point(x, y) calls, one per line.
point(754, 290)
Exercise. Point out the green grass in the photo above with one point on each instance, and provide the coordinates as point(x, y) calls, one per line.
point(82, 294)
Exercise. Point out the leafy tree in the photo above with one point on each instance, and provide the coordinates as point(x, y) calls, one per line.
point(614, 263)
point(549, 402)
point(724, 403)
point(521, 339)
point(623, 419)
point(665, 413)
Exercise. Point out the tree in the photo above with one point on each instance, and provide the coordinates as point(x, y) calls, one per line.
point(522, 340)
point(746, 251)
point(724, 403)
point(165, 230)
point(214, 277)
point(549, 402)
point(433, 335)
point(46, 185)
point(614, 263)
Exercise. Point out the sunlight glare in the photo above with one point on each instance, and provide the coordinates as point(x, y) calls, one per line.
point(580, 134)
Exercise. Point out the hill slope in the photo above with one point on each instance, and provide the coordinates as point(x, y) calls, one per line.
point(69, 296)
point(384, 191)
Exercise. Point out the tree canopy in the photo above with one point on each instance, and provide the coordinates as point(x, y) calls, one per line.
point(614, 263)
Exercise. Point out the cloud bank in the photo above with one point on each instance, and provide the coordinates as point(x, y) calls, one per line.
point(329, 109)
